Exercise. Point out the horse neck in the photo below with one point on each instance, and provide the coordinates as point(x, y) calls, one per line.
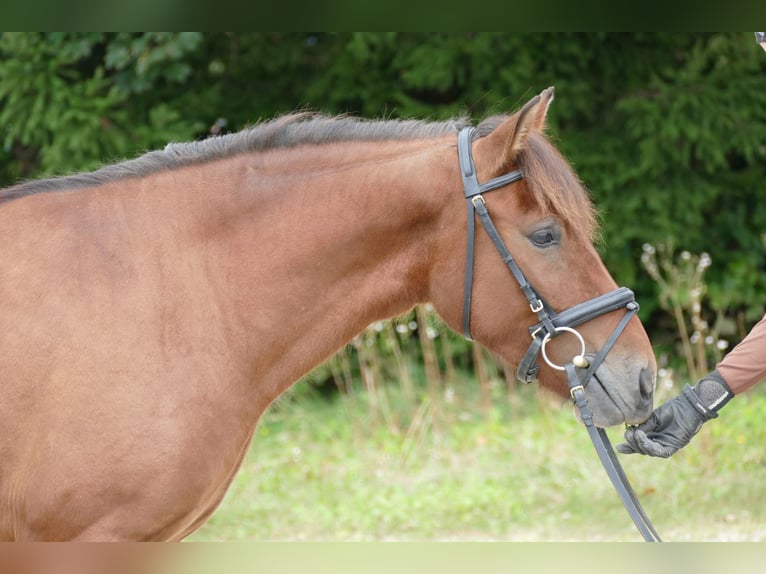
point(315, 244)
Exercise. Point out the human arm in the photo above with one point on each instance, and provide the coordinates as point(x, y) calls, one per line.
point(672, 425)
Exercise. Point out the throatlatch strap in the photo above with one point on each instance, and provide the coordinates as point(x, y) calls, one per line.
point(470, 188)
point(468, 284)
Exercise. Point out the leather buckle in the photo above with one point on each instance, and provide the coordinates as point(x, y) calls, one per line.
point(575, 388)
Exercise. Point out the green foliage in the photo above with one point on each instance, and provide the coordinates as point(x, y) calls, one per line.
point(141, 62)
point(69, 99)
point(687, 165)
point(665, 129)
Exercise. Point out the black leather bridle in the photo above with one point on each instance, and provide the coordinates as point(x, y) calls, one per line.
point(551, 324)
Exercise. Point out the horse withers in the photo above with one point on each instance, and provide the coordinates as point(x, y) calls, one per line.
point(151, 311)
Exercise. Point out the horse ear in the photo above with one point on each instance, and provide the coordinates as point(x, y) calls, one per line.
point(498, 150)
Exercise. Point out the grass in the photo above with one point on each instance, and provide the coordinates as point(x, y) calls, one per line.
point(321, 470)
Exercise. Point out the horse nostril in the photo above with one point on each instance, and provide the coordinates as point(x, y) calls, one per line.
point(646, 384)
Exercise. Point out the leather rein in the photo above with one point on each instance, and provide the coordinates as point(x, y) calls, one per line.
point(551, 324)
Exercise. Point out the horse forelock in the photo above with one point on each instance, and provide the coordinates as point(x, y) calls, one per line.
point(555, 188)
point(301, 128)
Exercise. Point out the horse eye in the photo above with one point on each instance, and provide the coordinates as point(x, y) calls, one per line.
point(544, 238)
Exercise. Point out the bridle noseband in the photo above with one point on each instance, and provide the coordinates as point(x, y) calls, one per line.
point(550, 323)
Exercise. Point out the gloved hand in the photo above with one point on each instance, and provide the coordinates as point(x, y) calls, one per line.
point(672, 425)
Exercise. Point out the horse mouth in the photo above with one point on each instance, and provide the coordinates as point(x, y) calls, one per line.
point(609, 406)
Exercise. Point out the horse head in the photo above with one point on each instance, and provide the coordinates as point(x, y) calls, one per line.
point(544, 217)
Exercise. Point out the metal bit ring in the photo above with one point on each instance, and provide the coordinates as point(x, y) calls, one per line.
point(577, 360)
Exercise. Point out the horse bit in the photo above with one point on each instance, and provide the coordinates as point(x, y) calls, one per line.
point(552, 324)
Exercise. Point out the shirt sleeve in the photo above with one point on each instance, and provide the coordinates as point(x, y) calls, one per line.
point(745, 364)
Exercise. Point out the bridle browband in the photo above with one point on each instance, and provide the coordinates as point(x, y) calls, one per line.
point(550, 324)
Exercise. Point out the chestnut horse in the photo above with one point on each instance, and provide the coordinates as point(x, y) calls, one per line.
point(151, 311)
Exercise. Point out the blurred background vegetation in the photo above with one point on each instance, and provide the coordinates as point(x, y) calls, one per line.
point(666, 130)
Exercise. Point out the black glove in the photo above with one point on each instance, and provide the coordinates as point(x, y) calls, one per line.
point(672, 425)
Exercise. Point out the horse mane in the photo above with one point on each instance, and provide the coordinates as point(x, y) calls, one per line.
point(283, 132)
point(552, 183)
